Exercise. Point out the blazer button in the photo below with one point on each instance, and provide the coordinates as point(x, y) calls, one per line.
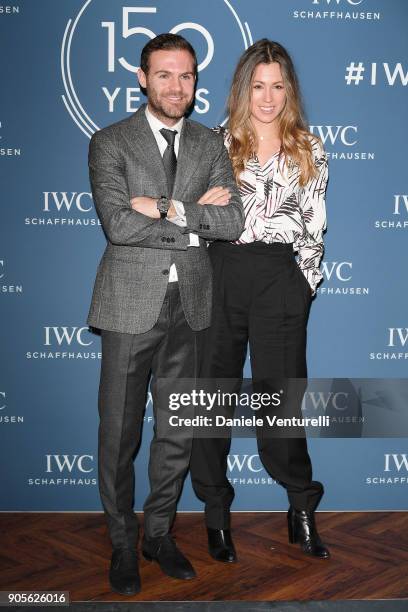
point(165, 272)
point(163, 239)
point(173, 240)
point(168, 240)
point(201, 226)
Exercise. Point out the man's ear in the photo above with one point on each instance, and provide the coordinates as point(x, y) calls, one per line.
point(142, 78)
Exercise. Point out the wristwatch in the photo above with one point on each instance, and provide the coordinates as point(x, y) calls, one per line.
point(163, 205)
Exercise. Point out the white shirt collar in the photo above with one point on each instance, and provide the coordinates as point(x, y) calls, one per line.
point(156, 125)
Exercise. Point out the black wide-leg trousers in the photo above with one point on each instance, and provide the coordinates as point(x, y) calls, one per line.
point(262, 298)
point(169, 350)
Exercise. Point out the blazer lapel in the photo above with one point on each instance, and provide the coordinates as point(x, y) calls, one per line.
point(187, 160)
point(143, 139)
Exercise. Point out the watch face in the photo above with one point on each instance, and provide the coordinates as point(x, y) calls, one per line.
point(163, 204)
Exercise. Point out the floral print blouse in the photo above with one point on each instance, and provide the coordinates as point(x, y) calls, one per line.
point(277, 209)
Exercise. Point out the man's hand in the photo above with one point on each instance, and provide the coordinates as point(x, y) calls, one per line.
point(218, 196)
point(146, 206)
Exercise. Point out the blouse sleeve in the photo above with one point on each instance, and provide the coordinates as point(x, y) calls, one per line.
point(223, 131)
point(312, 203)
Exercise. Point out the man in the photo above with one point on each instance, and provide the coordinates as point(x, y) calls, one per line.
point(162, 186)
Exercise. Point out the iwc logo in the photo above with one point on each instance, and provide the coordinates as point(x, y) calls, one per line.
point(394, 471)
point(70, 342)
point(4, 286)
point(341, 142)
point(101, 49)
point(343, 10)
point(65, 209)
point(397, 345)
point(66, 470)
point(5, 418)
point(247, 468)
point(398, 218)
point(338, 279)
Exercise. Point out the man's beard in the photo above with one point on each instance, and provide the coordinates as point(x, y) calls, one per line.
point(167, 110)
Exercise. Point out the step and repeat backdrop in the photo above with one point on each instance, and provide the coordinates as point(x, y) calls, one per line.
point(67, 69)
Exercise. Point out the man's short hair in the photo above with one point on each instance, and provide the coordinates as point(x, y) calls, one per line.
point(166, 42)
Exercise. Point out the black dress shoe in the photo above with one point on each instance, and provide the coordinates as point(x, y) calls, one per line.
point(124, 575)
point(170, 559)
point(302, 529)
point(221, 546)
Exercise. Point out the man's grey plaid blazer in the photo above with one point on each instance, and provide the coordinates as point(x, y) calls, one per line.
point(132, 277)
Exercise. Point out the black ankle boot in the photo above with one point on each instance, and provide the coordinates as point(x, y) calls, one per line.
point(302, 529)
point(221, 546)
point(124, 575)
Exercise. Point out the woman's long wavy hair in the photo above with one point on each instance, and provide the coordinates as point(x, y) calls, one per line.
point(294, 135)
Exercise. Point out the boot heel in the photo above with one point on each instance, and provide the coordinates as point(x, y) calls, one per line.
point(302, 530)
point(292, 536)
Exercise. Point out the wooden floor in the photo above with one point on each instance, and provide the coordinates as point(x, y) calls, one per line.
point(71, 552)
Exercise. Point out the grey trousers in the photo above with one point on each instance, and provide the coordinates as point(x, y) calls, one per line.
point(168, 350)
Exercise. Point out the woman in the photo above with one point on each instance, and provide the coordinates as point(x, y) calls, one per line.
point(262, 292)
